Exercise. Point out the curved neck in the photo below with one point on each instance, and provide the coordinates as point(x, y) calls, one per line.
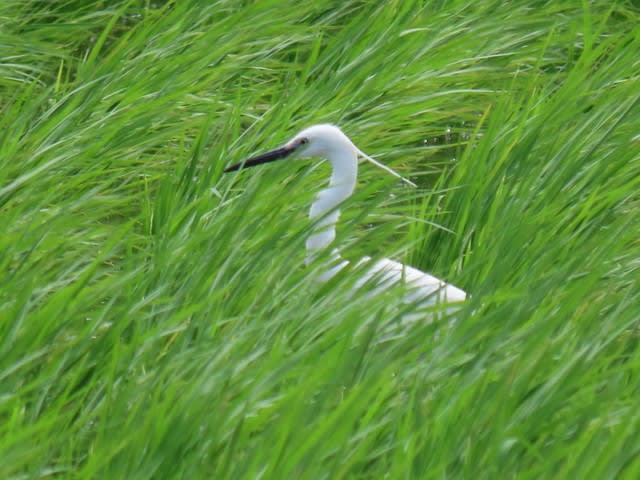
point(324, 209)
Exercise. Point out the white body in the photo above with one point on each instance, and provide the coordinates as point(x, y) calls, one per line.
point(423, 288)
point(328, 141)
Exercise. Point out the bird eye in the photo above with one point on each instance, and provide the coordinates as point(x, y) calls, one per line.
point(304, 141)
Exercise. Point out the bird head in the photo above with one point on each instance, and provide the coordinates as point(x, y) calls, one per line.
point(322, 140)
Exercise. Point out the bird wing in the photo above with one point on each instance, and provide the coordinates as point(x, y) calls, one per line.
point(423, 288)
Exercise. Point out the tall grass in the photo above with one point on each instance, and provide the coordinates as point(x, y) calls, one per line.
point(156, 319)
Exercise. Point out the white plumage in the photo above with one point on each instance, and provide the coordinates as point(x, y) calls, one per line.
point(330, 142)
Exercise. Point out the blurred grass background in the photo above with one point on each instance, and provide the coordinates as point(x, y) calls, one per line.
point(155, 317)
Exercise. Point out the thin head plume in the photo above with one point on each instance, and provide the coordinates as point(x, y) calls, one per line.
point(385, 168)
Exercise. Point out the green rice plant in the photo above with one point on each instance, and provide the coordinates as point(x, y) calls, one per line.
point(156, 316)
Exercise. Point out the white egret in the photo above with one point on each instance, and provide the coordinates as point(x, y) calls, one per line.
point(330, 142)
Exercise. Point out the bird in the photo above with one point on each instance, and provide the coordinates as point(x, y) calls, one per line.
point(329, 142)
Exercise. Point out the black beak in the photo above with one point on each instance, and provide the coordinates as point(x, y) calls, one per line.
point(271, 156)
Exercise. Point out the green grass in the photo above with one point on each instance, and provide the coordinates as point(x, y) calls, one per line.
point(156, 319)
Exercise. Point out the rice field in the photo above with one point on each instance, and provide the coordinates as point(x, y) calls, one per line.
point(156, 316)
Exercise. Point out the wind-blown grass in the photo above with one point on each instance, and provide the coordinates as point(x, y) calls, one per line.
point(156, 319)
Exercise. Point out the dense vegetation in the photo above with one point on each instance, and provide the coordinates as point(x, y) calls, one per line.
point(156, 319)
